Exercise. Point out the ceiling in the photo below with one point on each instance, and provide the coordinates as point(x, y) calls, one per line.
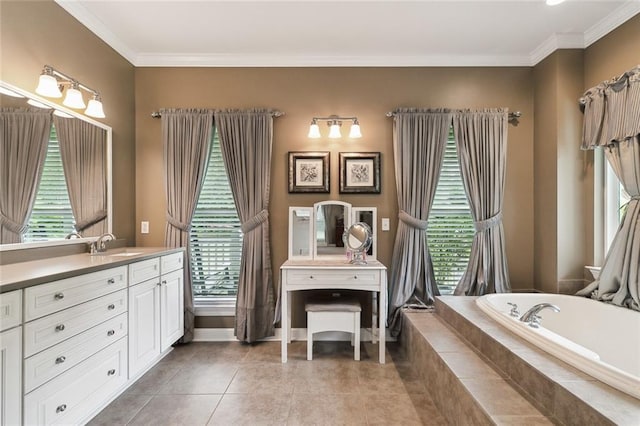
point(347, 32)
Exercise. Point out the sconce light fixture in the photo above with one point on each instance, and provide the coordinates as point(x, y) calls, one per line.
point(334, 122)
point(52, 82)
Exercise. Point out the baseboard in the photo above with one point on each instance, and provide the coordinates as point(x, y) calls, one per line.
point(226, 335)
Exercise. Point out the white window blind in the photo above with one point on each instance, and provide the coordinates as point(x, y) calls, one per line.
point(216, 238)
point(51, 216)
point(450, 231)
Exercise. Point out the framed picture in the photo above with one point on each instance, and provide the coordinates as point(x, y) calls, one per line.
point(359, 172)
point(308, 171)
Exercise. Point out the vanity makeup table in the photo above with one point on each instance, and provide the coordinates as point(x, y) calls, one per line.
point(317, 262)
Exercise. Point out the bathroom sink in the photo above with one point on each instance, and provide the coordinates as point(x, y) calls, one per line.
point(125, 254)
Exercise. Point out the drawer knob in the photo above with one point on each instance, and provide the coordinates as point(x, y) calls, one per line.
point(111, 281)
point(61, 359)
point(111, 372)
point(60, 327)
point(111, 332)
point(111, 307)
point(61, 408)
point(310, 277)
point(58, 296)
point(164, 282)
point(355, 277)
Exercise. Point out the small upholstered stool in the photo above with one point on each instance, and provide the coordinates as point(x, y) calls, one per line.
point(334, 315)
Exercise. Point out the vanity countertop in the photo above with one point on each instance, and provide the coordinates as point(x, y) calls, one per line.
point(20, 275)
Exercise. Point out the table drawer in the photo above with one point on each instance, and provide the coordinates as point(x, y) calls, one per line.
point(338, 278)
point(48, 331)
point(74, 395)
point(143, 271)
point(171, 262)
point(48, 298)
point(10, 309)
point(51, 362)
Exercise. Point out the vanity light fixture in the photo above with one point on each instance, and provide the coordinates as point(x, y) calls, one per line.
point(334, 122)
point(52, 82)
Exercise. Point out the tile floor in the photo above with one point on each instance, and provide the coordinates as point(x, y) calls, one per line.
point(229, 383)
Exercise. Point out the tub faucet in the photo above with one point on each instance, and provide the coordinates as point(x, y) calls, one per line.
point(532, 318)
point(100, 245)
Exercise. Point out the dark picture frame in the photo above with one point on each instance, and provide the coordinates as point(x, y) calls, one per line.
point(308, 172)
point(359, 172)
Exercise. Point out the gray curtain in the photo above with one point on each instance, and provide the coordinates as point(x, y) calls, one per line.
point(245, 142)
point(186, 136)
point(612, 122)
point(24, 136)
point(481, 139)
point(419, 141)
point(83, 148)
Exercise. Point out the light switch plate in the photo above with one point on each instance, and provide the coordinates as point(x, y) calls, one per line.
point(144, 227)
point(385, 223)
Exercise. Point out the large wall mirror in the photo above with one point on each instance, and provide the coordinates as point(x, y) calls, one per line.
point(58, 159)
point(316, 232)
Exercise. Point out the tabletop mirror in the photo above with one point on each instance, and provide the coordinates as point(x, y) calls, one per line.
point(358, 238)
point(317, 232)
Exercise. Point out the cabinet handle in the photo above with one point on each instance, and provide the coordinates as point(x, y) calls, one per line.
point(58, 296)
point(61, 408)
point(111, 281)
point(59, 327)
point(61, 359)
point(111, 372)
point(111, 332)
point(164, 282)
point(111, 307)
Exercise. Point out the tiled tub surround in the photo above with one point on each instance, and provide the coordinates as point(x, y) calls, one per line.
point(487, 369)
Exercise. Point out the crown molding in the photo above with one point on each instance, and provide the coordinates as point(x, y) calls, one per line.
point(96, 26)
point(555, 42)
point(248, 60)
point(611, 22)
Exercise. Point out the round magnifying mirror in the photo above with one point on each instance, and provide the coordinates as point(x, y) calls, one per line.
point(358, 238)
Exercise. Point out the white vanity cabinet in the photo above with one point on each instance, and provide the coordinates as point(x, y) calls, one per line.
point(74, 346)
point(156, 317)
point(11, 358)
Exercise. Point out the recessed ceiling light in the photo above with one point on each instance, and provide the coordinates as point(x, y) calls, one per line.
point(554, 2)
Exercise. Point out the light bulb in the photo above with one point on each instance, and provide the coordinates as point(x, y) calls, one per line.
point(314, 130)
point(48, 86)
point(94, 109)
point(334, 130)
point(354, 132)
point(74, 98)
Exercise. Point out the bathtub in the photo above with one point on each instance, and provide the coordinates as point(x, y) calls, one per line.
point(600, 339)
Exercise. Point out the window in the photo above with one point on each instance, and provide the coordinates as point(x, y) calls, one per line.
point(51, 216)
point(450, 231)
point(613, 199)
point(216, 238)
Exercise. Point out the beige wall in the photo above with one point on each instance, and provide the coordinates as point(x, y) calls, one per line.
point(35, 33)
point(559, 223)
point(368, 93)
point(564, 183)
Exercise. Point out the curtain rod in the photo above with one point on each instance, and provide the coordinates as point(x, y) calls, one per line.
point(512, 115)
point(157, 114)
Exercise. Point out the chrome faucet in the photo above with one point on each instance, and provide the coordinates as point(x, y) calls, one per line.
point(532, 318)
point(100, 245)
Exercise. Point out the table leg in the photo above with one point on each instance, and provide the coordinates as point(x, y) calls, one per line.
point(284, 324)
point(374, 317)
point(382, 317)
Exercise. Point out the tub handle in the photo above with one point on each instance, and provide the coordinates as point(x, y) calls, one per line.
point(514, 312)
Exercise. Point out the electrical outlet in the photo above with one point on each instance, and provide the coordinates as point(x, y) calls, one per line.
point(144, 227)
point(385, 223)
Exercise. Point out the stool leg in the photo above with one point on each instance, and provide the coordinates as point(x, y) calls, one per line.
point(356, 336)
point(309, 345)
